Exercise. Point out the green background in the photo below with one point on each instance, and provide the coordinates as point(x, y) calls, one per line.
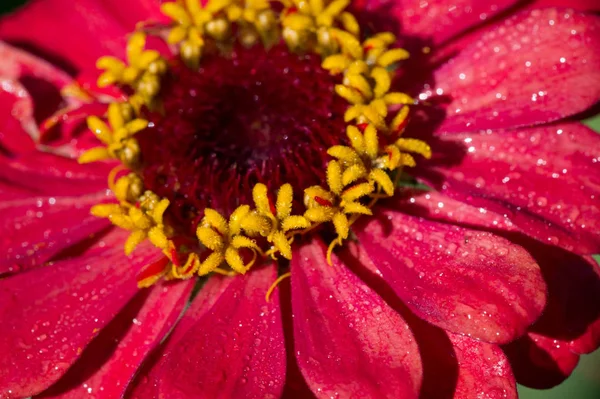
point(585, 381)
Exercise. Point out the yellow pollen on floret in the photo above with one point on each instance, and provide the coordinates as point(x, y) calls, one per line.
point(142, 70)
point(117, 137)
point(225, 238)
point(282, 221)
point(315, 23)
point(360, 171)
point(144, 221)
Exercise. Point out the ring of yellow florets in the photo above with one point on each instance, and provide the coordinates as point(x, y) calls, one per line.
point(357, 175)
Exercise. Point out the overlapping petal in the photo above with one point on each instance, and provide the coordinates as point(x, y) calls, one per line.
point(546, 180)
point(233, 349)
point(50, 315)
point(101, 26)
point(463, 280)
point(111, 361)
point(348, 341)
point(533, 68)
point(34, 229)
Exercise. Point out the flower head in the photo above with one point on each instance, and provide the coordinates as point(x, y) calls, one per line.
point(277, 199)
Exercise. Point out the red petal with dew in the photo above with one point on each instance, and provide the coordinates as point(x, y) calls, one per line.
point(546, 179)
point(35, 229)
point(50, 315)
point(437, 21)
point(108, 364)
point(146, 382)
point(454, 366)
point(462, 280)
point(50, 174)
point(95, 28)
point(234, 350)
point(336, 318)
point(534, 68)
point(484, 370)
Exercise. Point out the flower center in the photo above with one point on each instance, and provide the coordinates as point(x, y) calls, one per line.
point(256, 116)
point(232, 150)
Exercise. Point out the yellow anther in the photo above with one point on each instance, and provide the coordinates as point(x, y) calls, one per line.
point(334, 177)
point(383, 180)
point(140, 64)
point(225, 239)
point(382, 80)
point(359, 83)
point(134, 239)
point(215, 220)
point(357, 208)
point(348, 43)
point(357, 191)
point(350, 94)
point(400, 119)
point(282, 221)
point(336, 63)
point(398, 98)
point(118, 138)
point(392, 56)
point(210, 238)
point(349, 23)
point(414, 145)
point(212, 262)
point(353, 173)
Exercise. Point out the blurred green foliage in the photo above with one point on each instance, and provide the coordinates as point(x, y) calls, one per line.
point(583, 384)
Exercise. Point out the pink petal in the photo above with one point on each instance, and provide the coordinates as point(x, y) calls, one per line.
point(546, 179)
point(484, 370)
point(348, 341)
point(462, 280)
point(539, 362)
point(534, 68)
point(35, 229)
point(50, 174)
point(234, 350)
point(51, 314)
point(454, 366)
point(436, 21)
point(92, 31)
point(145, 384)
point(584, 5)
point(123, 344)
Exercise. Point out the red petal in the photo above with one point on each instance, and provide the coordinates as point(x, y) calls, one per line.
point(584, 5)
point(51, 314)
point(336, 318)
point(572, 315)
point(454, 366)
point(462, 280)
point(234, 350)
point(546, 179)
point(49, 174)
point(28, 94)
point(95, 28)
point(432, 22)
point(534, 68)
point(112, 359)
point(146, 382)
point(484, 370)
point(540, 362)
point(35, 229)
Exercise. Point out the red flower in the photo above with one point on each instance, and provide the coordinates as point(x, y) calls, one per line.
point(456, 292)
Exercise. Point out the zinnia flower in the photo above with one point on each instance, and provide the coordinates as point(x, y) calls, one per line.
point(407, 164)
